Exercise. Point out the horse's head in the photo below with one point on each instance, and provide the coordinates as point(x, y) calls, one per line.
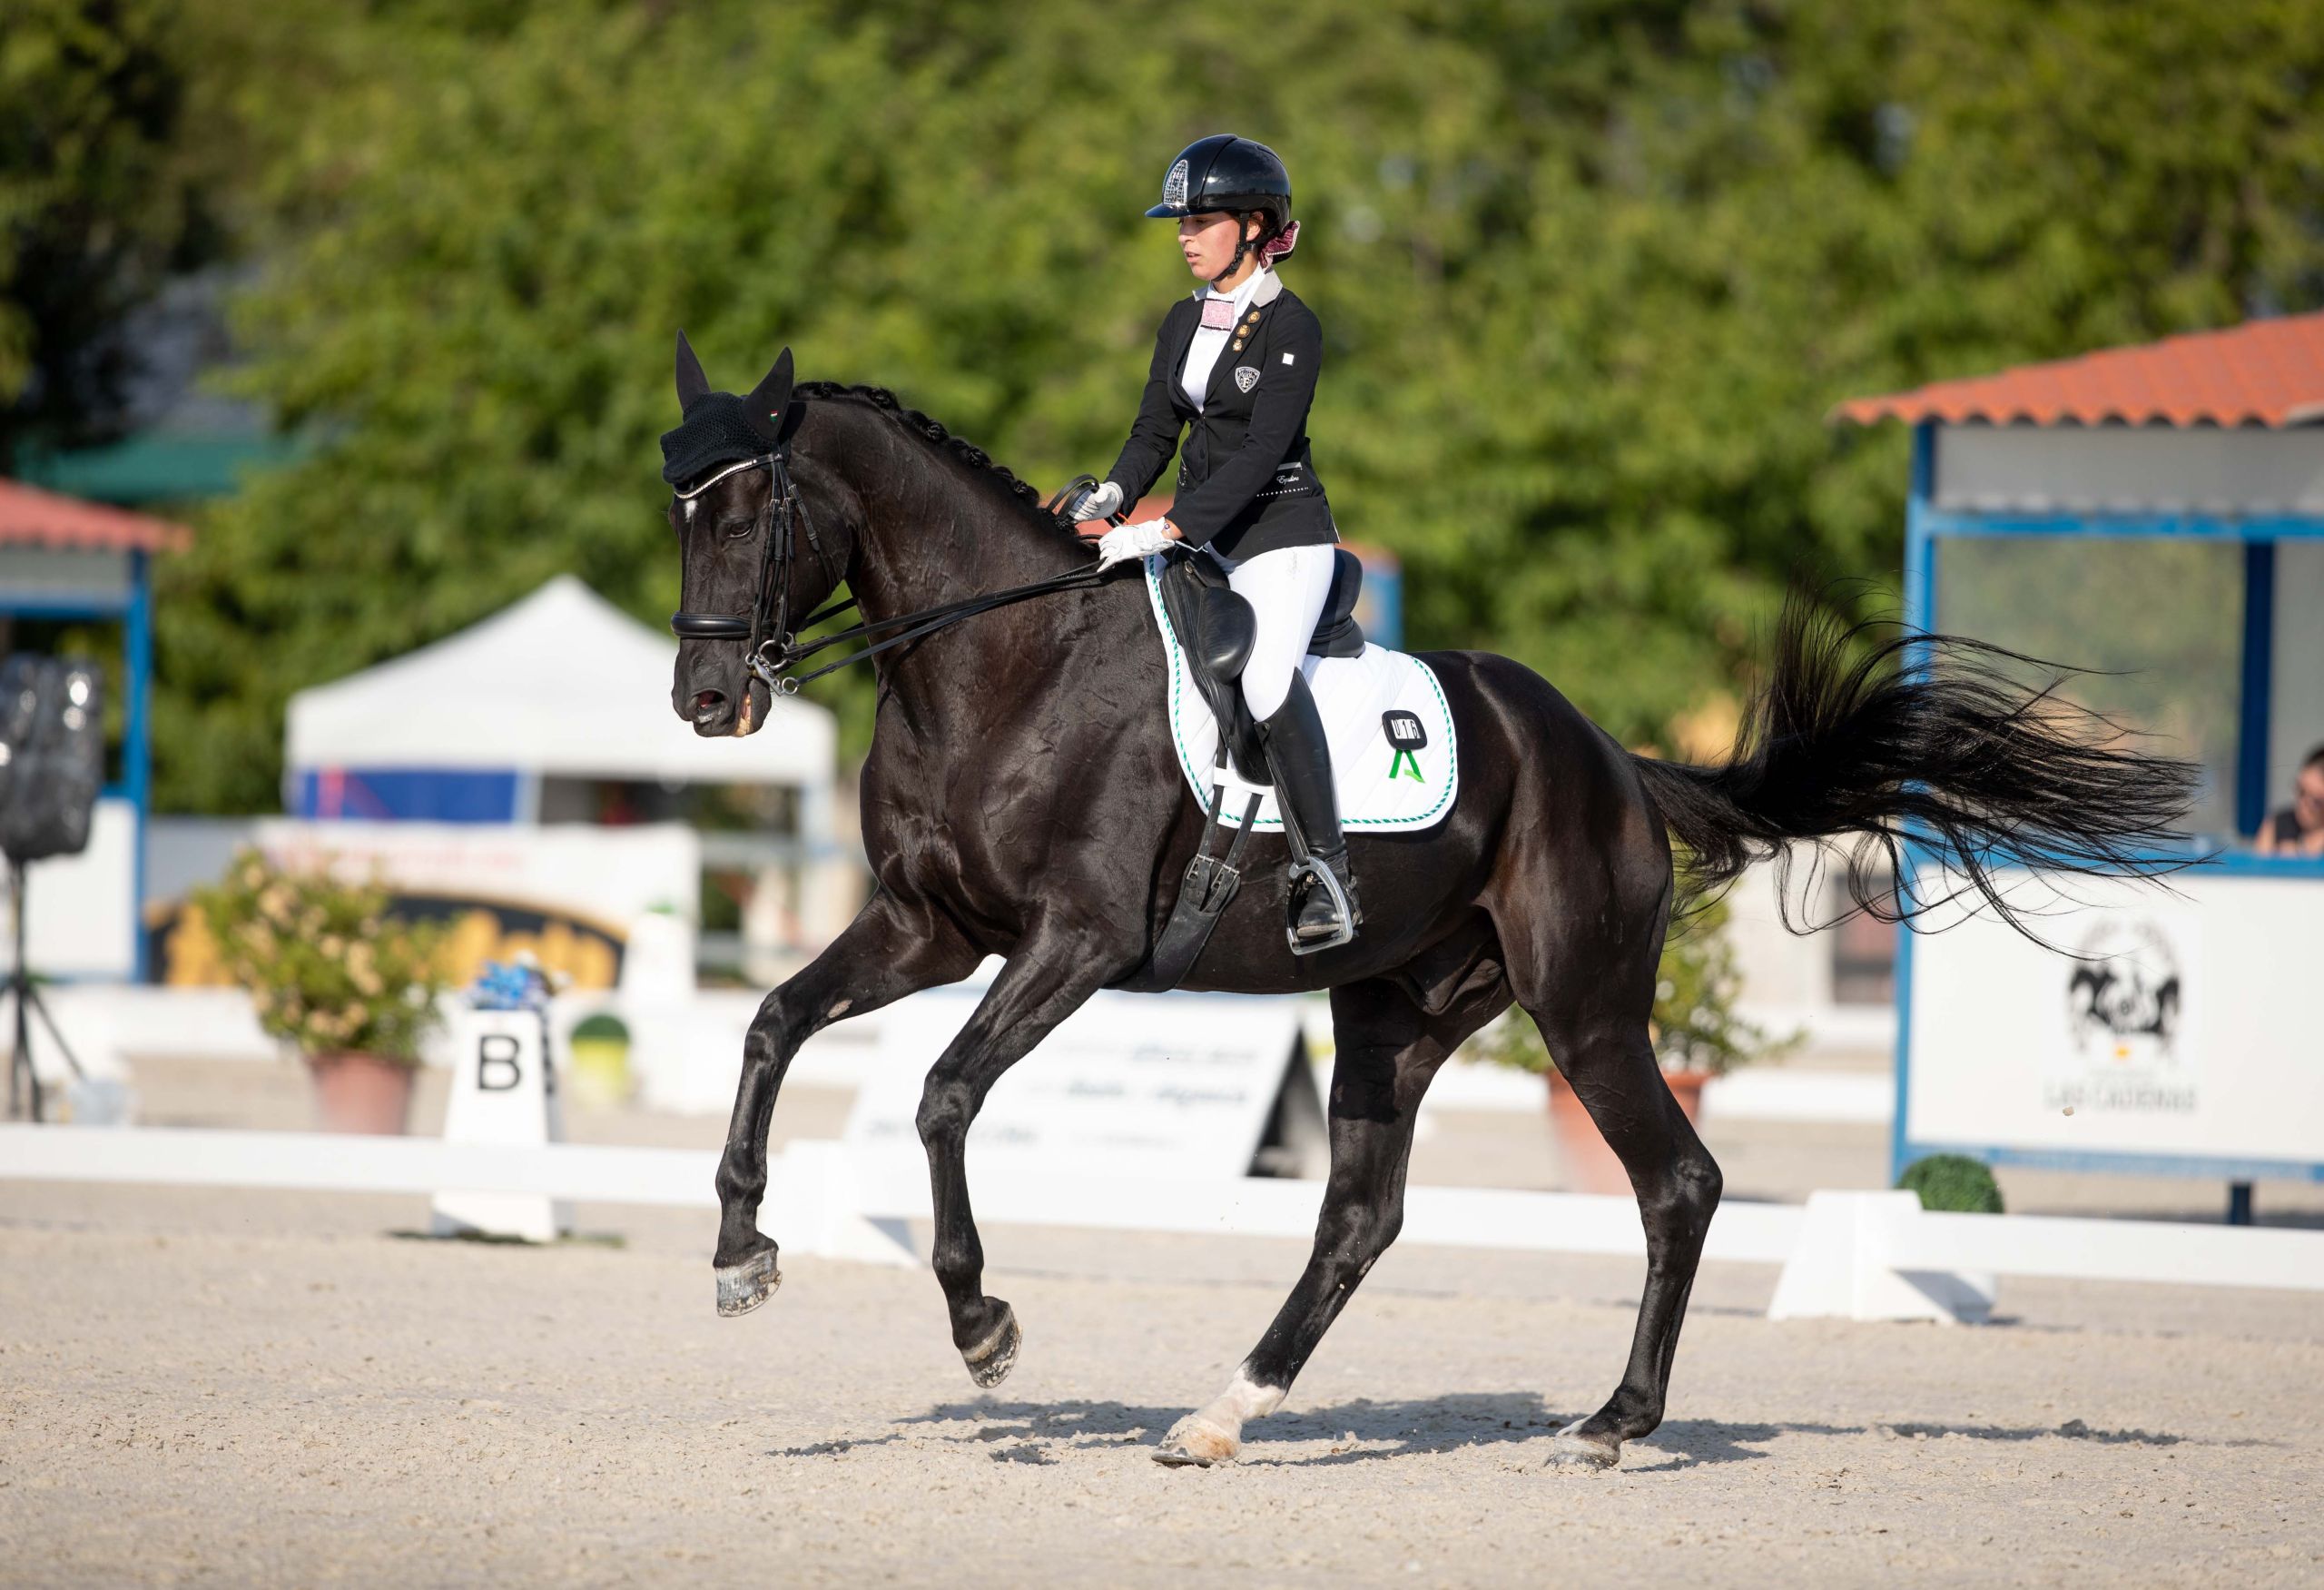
point(746, 573)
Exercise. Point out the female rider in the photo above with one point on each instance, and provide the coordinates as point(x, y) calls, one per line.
point(1235, 367)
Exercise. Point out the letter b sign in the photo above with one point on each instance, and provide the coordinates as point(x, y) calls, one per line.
point(498, 1066)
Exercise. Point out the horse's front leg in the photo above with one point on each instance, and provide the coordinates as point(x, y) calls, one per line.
point(889, 951)
point(1050, 977)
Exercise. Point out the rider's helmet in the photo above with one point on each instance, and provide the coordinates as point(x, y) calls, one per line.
point(1223, 172)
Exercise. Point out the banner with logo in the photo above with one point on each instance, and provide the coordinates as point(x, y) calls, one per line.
point(2172, 1027)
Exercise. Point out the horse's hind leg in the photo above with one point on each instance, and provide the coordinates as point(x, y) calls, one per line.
point(1388, 1047)
point(888, 951)
point(1591, 997)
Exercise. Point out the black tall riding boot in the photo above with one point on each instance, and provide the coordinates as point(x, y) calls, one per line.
point(1300, 759)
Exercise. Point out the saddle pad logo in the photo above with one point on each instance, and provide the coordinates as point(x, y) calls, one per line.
point(1174, 186)
point(1407, 737)
point(1245, 377)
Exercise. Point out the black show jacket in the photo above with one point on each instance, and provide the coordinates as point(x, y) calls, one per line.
point(1247, 483)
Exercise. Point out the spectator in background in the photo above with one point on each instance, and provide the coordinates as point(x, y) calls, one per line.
point(2299, 828)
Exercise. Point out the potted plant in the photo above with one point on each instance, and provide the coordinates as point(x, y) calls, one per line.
point(1696, 1032)
point(332, 975)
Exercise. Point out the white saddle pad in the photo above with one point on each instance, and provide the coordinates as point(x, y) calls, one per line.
point(1383, 788)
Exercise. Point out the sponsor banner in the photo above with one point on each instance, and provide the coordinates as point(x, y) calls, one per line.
point(567, 895)
point(2179, 1024)
point(1201, 1087)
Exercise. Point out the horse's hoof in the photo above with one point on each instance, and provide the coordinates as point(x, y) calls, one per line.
point(1194, 1442)
point(1580, 1454)
point(743, 1286)
point(991, 1360)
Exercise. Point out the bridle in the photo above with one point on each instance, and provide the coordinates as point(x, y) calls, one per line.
point(772, 642)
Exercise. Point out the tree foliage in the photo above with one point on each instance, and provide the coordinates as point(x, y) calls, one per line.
point(99, 201)
point(1591, 273)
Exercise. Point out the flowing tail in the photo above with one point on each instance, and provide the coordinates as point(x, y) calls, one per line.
point(1890, 734)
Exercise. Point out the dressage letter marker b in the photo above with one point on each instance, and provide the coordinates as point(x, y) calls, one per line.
point(1407, 737)
point(504, 1092)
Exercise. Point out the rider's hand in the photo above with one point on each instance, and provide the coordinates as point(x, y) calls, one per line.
point(1099, 502)
point(1127, 541)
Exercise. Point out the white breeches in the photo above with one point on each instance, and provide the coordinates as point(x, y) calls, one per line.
point(1287, 589)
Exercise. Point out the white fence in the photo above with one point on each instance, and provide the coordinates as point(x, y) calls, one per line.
point(1857, 1255)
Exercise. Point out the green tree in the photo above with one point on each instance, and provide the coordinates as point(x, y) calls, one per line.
point(1592, 275)
point(98, 202)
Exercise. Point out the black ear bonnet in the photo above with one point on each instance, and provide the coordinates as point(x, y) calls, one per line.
point(721, 428)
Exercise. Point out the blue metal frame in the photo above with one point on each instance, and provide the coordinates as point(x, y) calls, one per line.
point(1925, 526)
point(2258, 686)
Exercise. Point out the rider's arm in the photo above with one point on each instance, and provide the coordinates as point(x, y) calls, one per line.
point(1278, 414)
point(1154, 435)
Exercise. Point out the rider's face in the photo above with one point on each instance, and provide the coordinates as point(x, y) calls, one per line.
point(2309, 794)
point(1208, 240)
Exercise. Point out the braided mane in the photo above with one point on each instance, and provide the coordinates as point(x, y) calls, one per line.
point(968, 452)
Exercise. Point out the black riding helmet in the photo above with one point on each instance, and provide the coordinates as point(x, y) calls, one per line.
point(1223, 172)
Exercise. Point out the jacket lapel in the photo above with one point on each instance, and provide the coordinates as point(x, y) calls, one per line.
point(1269, 289)
point(1185, 340)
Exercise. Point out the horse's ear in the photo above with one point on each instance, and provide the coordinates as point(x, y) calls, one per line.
point(692, 382)
point(771, 397)
point(795, 411)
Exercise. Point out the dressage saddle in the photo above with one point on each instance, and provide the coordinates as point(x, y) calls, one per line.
point(1216, 628)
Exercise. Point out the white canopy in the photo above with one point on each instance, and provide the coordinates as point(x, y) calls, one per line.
point(563, 683)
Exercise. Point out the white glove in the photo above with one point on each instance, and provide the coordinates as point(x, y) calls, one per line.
point(1126, 541)
point(1103, 501)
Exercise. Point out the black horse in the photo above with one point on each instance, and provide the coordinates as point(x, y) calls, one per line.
point(1022, 799)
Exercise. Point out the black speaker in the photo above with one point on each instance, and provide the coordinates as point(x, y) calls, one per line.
point(52, 753)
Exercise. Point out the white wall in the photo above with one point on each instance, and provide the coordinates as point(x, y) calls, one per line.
point(2146, 470)
point(84, 908)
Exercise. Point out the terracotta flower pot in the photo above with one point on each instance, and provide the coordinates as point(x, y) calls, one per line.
point(1587, 1163)
point(361, 1093)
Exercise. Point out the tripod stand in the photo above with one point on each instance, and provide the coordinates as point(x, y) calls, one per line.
point(24, 1081)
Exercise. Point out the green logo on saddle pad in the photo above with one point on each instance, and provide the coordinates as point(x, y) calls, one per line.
point(1407, 738)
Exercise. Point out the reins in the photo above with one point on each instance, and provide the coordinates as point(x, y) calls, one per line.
point(768, 628)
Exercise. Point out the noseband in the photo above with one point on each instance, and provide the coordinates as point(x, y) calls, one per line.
point(773, 643)
point(766, 629)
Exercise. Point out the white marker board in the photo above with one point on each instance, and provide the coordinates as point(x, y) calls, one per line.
point(1201, 1086)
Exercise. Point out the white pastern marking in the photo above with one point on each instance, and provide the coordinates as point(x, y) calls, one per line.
point(1243, 1400)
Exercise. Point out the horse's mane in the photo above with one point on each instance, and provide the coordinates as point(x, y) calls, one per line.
point(912, 419)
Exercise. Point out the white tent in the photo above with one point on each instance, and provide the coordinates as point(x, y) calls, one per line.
point(563, 684)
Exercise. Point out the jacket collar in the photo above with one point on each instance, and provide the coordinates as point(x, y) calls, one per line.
point(1269, 289)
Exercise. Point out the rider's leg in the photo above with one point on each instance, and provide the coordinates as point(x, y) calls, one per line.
point(1287, 589)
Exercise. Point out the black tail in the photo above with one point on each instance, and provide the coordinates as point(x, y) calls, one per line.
point(1889, 733)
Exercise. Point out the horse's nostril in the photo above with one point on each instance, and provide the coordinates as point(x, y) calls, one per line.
point(708, 701)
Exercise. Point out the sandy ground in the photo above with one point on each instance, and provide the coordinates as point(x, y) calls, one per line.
point(212, 1387)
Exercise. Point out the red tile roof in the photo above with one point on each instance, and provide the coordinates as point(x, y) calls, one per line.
point(31, 516)
point(2263, 372)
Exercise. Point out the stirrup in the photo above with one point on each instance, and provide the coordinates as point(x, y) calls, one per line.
point(1322, 876)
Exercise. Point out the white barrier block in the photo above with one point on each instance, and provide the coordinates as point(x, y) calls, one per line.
point(1842, 1266)
point(504, 1093)
point(814, 1195)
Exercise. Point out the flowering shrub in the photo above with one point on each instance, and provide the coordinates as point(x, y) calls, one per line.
point(1694, 1026)
point(326, 967)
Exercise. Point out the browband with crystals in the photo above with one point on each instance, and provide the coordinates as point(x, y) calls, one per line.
point(729, 470)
